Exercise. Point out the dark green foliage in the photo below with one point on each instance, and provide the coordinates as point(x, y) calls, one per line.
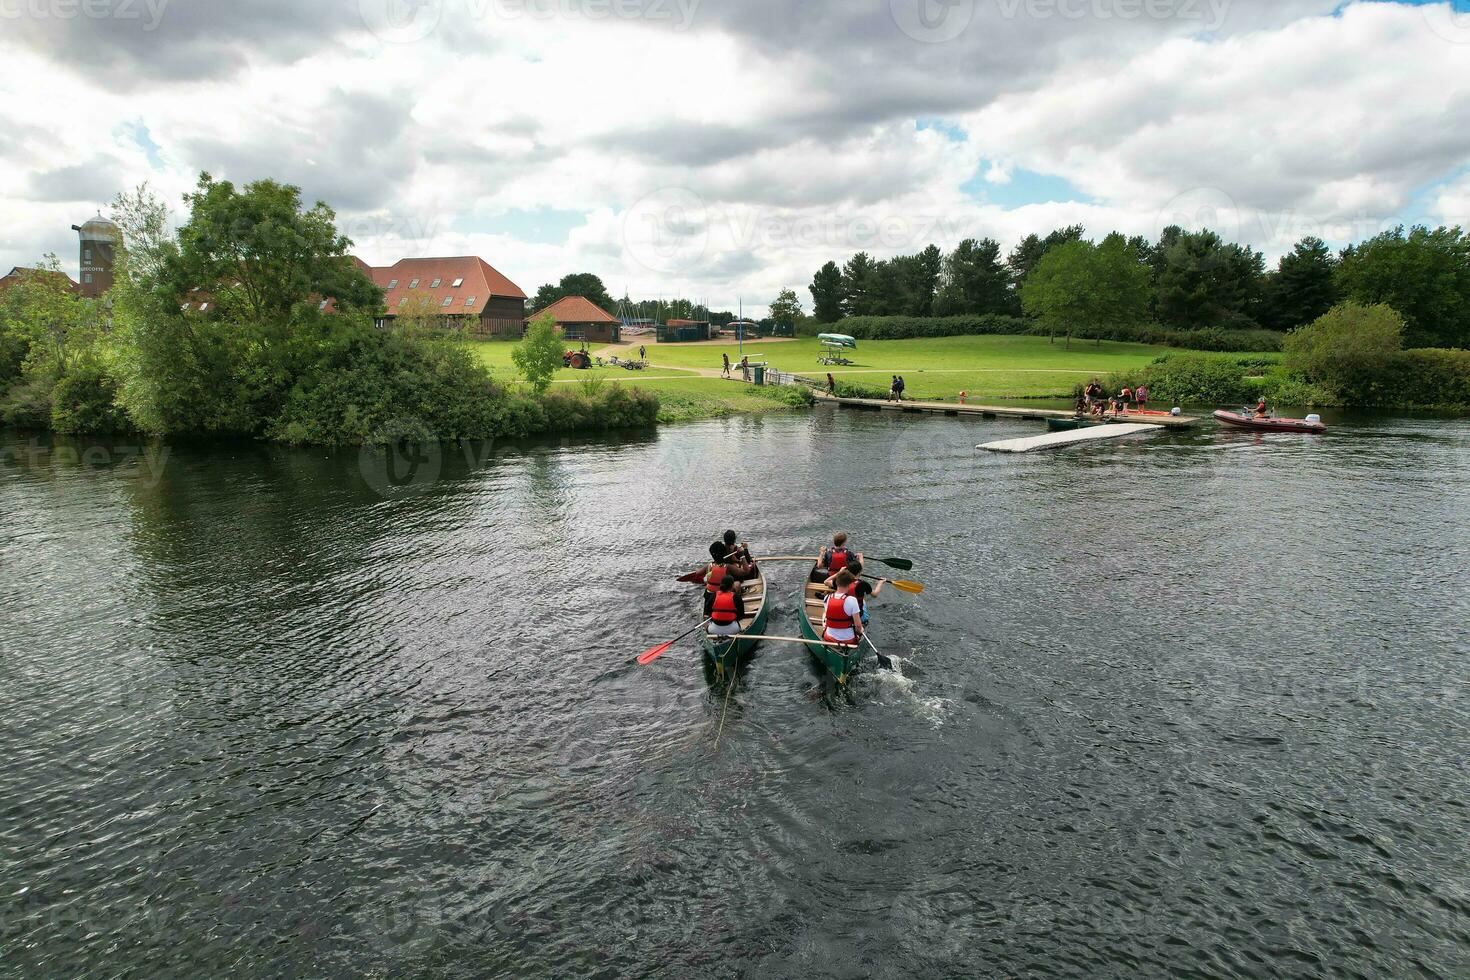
point(1190, 379)
point(583, 284)
point(1423, 274)
point(613, 407)
point(858, 285)
point(1204, 282)
point(1427, 377)
point(910, 328)
point(84, 401)
point(826, 290)
point(1079, 285)
point(26, 404)
point(1303, 287)
point(974, 281)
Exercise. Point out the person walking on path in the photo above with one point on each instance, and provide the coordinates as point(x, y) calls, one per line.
point(726, 372)
point(831, 384)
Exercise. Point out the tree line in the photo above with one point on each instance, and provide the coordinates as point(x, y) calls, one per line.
point(1186, 280)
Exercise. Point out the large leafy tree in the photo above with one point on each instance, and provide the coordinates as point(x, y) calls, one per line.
point(1029, 253)
point(786, 310)
point(974, 280)
point(1303, 287)
point(583, 284)
point(826, 290)
point(1423, 274)
point(261, 256)
point(1080, 284)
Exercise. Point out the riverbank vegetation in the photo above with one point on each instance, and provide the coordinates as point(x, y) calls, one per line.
point(254, 321)
point(1353, 355)
point(1187, 289)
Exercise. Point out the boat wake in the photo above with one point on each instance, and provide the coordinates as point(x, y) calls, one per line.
point(895, 687)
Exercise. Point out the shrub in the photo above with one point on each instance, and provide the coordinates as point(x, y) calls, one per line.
point(27, 403)
point(1346, 343)
point(539, 355)
point(846, 389)
point(84, 402)
point(1188, 379)
point(1422, 378)
point(911, 328)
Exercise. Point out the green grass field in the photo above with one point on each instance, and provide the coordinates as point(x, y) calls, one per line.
point(937, 369)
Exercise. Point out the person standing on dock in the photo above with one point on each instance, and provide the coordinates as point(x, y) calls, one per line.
point(831, 384)
point(1140, 397)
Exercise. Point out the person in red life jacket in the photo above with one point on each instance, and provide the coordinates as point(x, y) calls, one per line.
point(727, 609)
point(861, 591)
point(842, 614)
point(835, 558)
point(1261, 411)
point(715, 575)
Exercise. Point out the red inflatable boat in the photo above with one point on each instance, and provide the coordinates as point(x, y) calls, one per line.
point(1243, 421)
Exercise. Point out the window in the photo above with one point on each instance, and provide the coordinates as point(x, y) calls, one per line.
point(87, 277)
point(447, 300)
point(458, 283)
point(323, 304)
point(203, 307)
point(403, 300)
point(435, 283)
point(470, 301)
point(186, 306)
point(392, 283)
point(86, 255)
point(413, 284)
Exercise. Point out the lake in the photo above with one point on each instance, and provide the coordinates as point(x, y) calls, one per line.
point(1192, 705)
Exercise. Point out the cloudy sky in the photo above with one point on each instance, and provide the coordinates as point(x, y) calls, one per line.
point(723, 149)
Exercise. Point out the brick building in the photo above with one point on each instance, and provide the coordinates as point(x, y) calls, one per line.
point(462, 286)
point(581, 319)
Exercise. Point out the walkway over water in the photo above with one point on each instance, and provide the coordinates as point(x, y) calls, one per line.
point(1002, 412)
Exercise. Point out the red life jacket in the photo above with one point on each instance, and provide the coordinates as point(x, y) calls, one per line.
point(716, 575)
point(837, 617)
point(724, 612)
point(837, 560)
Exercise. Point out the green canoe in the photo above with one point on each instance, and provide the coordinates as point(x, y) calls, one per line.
point(839, 661)
point(724, 654)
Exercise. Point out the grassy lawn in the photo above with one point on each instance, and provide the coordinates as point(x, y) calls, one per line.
point(934, 369)
point(996, 367)
point(683, 395)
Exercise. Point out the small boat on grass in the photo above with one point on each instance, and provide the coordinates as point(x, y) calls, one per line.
point(724, 653)
point(839, 660)
point(1242, 420)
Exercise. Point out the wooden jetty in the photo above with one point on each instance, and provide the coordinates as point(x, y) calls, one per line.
point(996, 411)
point(1052, 440)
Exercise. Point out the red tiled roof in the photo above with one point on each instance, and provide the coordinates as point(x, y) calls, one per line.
point(481, 282)
point(20, 272)
point(577, 309)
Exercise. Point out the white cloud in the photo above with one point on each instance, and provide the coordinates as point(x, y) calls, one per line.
point(790, 126)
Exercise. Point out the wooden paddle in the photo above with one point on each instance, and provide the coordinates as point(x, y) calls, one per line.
point(692, 577)
point(653, 653)
point(902, 564)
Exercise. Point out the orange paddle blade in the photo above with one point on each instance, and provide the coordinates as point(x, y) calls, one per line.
point(649, 656)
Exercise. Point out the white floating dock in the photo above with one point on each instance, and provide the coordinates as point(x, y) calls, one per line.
point(1054, 439)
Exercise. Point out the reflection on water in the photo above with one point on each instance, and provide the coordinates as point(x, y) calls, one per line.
point(1192, 704)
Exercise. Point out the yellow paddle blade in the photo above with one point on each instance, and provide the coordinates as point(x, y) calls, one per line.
point(912, 588)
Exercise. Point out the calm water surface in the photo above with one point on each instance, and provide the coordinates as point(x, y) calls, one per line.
point(1189, 706)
